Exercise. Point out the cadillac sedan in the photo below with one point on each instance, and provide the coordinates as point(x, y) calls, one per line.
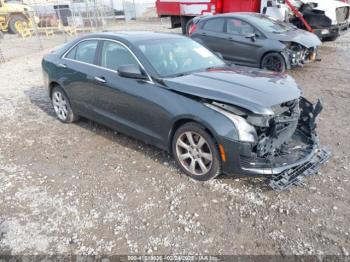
point(172, 92)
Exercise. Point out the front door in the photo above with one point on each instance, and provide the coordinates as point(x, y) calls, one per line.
point(129, 104)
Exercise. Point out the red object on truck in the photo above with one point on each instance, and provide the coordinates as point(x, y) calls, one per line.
point(181, 11)
point(203, 7)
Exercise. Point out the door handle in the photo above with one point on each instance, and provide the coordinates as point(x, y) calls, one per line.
point(100, 79)
point(62, 66)
point(230, 39)
point(204, 34)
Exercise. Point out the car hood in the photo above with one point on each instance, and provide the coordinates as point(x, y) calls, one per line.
point(253, 89)
point(299, 36)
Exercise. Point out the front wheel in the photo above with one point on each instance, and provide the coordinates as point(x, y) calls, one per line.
point(196, 153)
point(274, 62)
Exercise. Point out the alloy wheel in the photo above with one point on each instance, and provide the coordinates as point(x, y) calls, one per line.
point(272, 63)
point(194, 153)
point(60, 105)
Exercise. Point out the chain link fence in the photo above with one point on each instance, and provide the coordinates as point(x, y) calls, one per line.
point(52, 23)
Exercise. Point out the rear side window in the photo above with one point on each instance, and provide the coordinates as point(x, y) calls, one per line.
point(215, 25)
point(115, 55)
point(239, 27)
point(84, 52)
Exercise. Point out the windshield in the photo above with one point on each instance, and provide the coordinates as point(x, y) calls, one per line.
point(270, 25)
point(178, 56)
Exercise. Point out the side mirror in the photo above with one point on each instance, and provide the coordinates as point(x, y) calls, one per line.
point(269, 3)
point(131, 71)
point(252, 36)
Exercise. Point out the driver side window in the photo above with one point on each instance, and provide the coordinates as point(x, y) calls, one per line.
point(239, 27)
point(114, 55)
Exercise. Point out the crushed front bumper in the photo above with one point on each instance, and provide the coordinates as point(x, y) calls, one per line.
point(301, 156)
point(300, 58)
point(295, 176)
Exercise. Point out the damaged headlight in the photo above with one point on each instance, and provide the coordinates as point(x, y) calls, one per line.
point(246, 132)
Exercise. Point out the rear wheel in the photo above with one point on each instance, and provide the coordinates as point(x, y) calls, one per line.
point(196, 152)
point(274, 62)
point(15, 20)
point(61, 105)
point(188, 26)
point(184, 21)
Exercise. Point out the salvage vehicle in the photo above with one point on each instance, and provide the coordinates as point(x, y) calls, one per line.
point(256, 40)
point(326, 18)
point(172, 92)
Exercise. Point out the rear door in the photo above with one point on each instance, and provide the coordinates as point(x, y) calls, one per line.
point(76, 70)
point(242, 42)
point(211, 34)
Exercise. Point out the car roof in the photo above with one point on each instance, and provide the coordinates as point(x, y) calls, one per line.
point(245, 15)
point(133, 36)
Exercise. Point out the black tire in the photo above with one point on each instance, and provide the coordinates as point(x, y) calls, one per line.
point(69, 116)
point(188, 26)
point(12, 23)
point(184, 20)
point(209, 147)
point(273, 61)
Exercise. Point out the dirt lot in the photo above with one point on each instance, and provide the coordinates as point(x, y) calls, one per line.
point(86, 189)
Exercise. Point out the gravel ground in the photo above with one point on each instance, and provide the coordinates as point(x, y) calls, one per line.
point(85, 189)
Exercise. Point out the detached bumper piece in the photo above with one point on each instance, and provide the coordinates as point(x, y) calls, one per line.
point(296, 176)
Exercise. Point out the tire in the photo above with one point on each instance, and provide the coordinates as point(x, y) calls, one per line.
point(184, 20)
point(61, 105)
point(199, 162)
point(273, 61)
point(12, 23)
point(188, 26)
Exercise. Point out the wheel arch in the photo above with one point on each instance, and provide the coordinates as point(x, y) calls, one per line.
point(184, 120)
point(54, 84)
point(283, 54)
point(17, 14)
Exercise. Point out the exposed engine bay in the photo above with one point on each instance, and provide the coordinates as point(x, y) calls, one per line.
point(276, 133)
point(315, 18)
point(284, 137)
point(299, 55)
point(286, 141)
point(327, 23)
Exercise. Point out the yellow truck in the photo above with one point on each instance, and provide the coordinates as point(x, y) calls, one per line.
point(12, 13)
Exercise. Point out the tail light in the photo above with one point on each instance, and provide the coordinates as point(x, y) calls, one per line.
point(192, 29)
point(219, 6)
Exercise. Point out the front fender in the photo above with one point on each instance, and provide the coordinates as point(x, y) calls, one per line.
point(220, 127)
point(285, 55)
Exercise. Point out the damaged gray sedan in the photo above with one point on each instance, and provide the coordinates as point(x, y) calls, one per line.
point(172, 92)
point(256, 40)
